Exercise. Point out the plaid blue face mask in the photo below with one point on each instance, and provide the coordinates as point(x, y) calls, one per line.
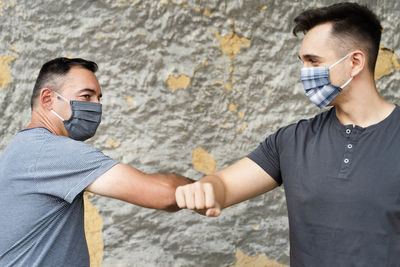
point(317, 85)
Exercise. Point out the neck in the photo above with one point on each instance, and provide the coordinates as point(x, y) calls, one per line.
point(40, 119)
point(362, 105)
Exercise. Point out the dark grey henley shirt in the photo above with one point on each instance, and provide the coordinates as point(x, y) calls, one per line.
point(342, 186)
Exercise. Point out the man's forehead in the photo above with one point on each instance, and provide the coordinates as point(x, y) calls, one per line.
point(80, 79)
point(317, 42)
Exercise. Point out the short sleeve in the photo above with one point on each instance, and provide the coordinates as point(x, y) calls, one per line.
point(66, 167)
point(267, 157)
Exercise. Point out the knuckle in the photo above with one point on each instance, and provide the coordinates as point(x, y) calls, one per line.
point(199, 206)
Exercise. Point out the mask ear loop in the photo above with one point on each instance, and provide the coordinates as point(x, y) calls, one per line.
point(63, 98)
point(59, 95)
point(52, 111)
point(346, 83)
point(337, 62)
point(340, 60)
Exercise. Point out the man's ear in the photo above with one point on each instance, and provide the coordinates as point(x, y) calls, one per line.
point(46, 98)
point(358, 61)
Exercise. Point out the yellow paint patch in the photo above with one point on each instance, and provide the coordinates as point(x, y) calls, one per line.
point(240, 115)
point(14, 48)
point(176, 83)
point(243, 260)
point(184, 4)
point(197, 67)
point(93, 226)
point(206, 12)
point(228, 86)
point(262, 8)
point(256, 227)
point(268, 90)
point(133, 151)
point(231, 44)
point(197, 9)
point(5, 76)
point(243, 127)
point(203, 162)
point(387, 60)
point(232, 107)
point(129, 98)
point(230, 69)
point(164, 3)
point(112, 143)
point(218, 82)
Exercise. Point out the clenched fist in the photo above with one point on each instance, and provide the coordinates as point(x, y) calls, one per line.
point(199, 196)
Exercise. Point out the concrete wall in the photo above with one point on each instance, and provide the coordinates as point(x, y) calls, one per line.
point(189, 87)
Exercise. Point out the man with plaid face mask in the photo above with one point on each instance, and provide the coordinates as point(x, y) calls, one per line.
point(340, 169)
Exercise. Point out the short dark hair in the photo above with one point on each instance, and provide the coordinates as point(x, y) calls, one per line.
point(52, 72)
point(349, 20)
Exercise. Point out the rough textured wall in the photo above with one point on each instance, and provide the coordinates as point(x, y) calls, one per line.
point(189, 87)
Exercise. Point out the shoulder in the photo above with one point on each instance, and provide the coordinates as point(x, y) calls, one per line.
point(307, 125)
point(65, 144)
point(57, 148)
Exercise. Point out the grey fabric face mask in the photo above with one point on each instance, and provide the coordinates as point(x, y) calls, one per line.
point(84, 120)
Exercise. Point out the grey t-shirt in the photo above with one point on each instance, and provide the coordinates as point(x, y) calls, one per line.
point(342, 186)
point(42, 178)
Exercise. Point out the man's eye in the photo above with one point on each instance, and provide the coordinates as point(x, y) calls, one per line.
point(87, 97)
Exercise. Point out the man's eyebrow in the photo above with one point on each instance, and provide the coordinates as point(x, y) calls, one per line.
point(309, 56)
point(89, 91)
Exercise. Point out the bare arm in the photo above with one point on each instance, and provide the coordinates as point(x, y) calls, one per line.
point(131, 185)
point(236, 183)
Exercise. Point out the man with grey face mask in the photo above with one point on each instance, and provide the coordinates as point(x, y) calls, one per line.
point(46, 168)
point(340, 169)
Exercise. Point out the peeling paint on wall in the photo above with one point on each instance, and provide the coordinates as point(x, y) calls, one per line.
point(203, 162)
point(129, 99)
point(244, 260)
point(231, 44)
point(386, 62)
point(112, 143)
point(232, 107)
point(93, 226)
point(243, 127)
point(262, 8)
point(180, 82)
point(5, 76)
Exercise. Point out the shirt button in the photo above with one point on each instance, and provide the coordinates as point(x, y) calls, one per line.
point(348, 131)
point(346, 161)
point(349, 146)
